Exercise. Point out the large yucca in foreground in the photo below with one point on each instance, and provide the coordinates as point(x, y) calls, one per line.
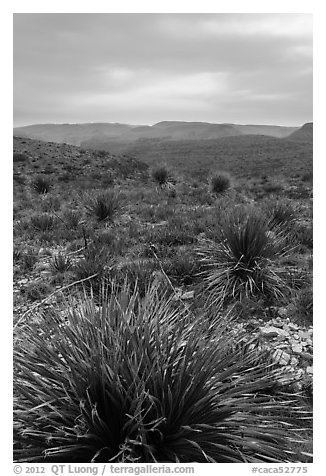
point(141, 381)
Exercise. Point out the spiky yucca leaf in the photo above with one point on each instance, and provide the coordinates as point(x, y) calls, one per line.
point(60, 263)
point(160, 175)
point(41, 185)
point(140, 381)
point(220, 182)
point(104, 206)
point(242, 262)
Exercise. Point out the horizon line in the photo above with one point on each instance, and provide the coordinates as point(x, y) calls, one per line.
point(155, 123)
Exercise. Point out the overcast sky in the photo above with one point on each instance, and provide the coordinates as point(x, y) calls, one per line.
point(146, 68)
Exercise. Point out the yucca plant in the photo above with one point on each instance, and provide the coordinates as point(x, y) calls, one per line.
point(281, 213)
point(182, 268)
point(243, 261)
point(94, 265)
point(60, 263)
point(138, 272)
point(104, 206)
point(43, 222)
point(41, 185)
point(160, 175)
point(220, 182)
point(139, 380)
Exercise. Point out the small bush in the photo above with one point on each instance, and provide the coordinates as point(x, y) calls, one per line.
point(272, 188)
point(302, 235)
point(139, 380)
point(95, 262)
point(29, 260)
point(41, 185)
point(220, 182)
point(301, 308)
point(281, 213)
point(182, 268)
point(65, 177)
point(72, 219)
point(17, 254)
point(160, 175)
point(104, 206)
point(60, 263)
point(37, 291)
point(138, 273)
point(19, 157)
point(89, 270)
point(307, 177)
point(110, 240)
point(43, 222)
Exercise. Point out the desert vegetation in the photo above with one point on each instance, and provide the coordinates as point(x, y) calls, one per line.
point(159, 324)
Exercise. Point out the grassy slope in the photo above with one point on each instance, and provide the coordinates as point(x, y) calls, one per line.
point(240, 155)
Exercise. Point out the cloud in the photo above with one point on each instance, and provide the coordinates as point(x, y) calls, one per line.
point(97, 66)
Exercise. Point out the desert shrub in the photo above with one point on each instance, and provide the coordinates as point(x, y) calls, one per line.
point(281, 213)
point(60, 263)
point(37, 290)
point(220, 182)
point(201, 196)
point(242, 262)
point(50, 203)
point(89, 270)
point(300, 192)
point(182, 268)
point(138, 273)
point(139, 380)
point(107, 180)
point(19, 157)
point(29, 259)
point(104, 206)
point(110, 240)
point(302, 235)
point(41, 185)
point(160, 175)
point(42, 222)
point(65, 177)
point(302, 306)
point(94, 265)
point(17, 254)
point(49, 169)
point(272, 188)
point(101, 153)
point(62, 279)
point(171, 236)
point(72, 219)
point(307, 177)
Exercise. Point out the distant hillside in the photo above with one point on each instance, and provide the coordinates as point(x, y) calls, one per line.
point(65, 163)
point(304, 134)
point(242, 155)
point(72, 134)
point(94, 134)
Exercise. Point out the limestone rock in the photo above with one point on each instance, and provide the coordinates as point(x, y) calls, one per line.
point(297, 348)
point(273, 331)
